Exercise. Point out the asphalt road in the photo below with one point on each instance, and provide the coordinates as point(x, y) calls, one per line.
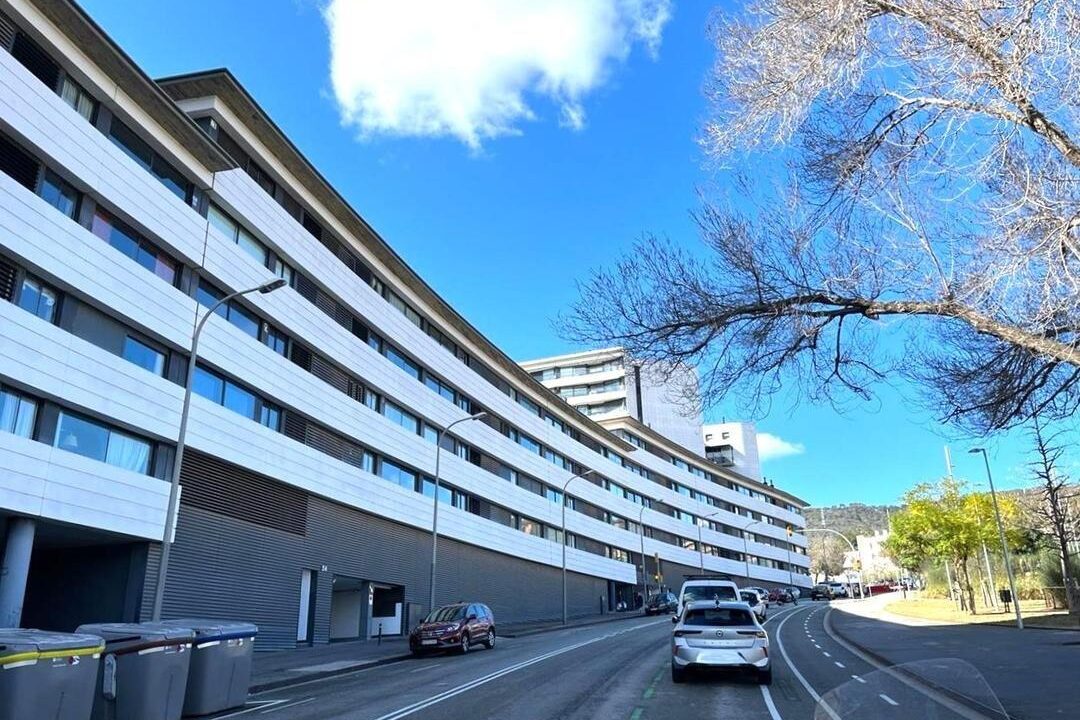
point(618, 670)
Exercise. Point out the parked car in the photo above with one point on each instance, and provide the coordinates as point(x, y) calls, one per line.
point(457, 627)
point(839, 590)
point(662, 603)
point(780, 596)
point(719, 635)
point(821, 591)
point(762, 592)
point(707, 587)
point(756, 602)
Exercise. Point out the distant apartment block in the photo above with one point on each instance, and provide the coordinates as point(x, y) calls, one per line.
point(607, 384)
point(734, 445)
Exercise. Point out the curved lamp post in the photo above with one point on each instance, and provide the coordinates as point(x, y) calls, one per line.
point(435, 504)
point(644, 572)
point(178, 457)
point(746, 547)
point(1001, 535)
point(565, 485)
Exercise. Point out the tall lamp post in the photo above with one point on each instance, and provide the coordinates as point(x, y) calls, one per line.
point(178, 457)
point(746, 547)
point(1001, 535)
point(644, 572)
point(700, 544)
point(566, 484)
point(435, 504)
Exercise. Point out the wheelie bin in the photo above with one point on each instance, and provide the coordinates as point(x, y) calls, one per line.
point(144, 670)
point(220, 664)
point(47, 674)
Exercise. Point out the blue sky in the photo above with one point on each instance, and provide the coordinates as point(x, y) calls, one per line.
point(503, 228)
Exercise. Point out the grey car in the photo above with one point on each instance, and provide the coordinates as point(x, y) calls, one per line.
point(719, 635)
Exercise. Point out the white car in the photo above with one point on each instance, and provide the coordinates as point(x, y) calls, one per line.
point(839, 590)
point(762, 592)
point(756, 602)
point(719, 635)
point(707, 587)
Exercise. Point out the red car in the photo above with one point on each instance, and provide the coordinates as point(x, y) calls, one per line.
point(457, 627)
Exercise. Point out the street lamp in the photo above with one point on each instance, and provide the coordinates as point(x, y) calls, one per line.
point(178, 457)
point(700, 543)
point(435, 504)
point(565, 485)
point(644, 572)
point(746, 547)
point(1001, 534)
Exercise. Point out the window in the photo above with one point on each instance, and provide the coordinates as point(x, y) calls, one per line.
point(528, 443)
point(143, 355)
point(17, 413)
point(397, 474)
point(127, 241)
point(240, 401)
point(59, 194)
point(243, 319)
point(270, 416)
point(99, 442)
point(439, 386)
point(73, 94)
point(401, 417)
point(531, 527)
point(446, 495)
point(395, 356)
point(283, 270)
point(232, 230)
point(38, 298)
point(139, 151)
point(275, 339)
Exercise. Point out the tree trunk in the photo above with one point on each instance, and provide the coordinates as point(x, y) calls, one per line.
point(968, 591)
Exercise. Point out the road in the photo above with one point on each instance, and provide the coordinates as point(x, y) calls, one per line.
point(617, 670)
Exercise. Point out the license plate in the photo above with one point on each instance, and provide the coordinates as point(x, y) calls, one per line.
point(429, 642)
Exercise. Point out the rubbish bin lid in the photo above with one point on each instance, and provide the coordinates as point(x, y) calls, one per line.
point(129, 637)
point(209, 630)
point(32, 644)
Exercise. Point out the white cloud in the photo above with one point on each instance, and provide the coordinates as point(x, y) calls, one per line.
point(464, 68)
point(771, 447)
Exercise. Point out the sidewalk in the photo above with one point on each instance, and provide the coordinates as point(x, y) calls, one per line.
point(279, 668)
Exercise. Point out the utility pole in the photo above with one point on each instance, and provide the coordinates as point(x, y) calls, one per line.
point(985, 552)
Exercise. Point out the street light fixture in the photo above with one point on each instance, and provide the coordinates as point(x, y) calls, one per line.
point(746, 547)
point(700, 543)
point(435, 504)
point(644, 572)
point(178, 457)
point(1001, 535)
point(565, 485)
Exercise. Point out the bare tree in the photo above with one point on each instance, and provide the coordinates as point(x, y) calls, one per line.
point(925, 219)
point(1052, 507)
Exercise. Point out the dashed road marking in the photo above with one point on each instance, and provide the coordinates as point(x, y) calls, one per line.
point(838, 663)
point(888, 699)
point(859, 679)
point(288, 705)
point(825, 654)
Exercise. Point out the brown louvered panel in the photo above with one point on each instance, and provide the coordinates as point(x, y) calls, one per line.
point(324, 370)
point(325, 303)
point(342, 316)
point(295, 427)
point(36, 60)
point(300, 355)
point(305, 287)
point(356, 391)
point(7, 280)
point(220, 487)
point(325, 442)
point(21, 167)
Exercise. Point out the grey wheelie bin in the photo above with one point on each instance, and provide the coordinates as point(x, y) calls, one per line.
point(144, 670)
point(47, 674)
point(220, 664)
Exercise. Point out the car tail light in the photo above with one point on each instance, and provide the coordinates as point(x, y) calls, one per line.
point(755, 633)
point(683, 633)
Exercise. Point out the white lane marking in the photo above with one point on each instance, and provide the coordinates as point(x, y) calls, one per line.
point(773, 712)
point(290, 705)
point(256, 705)
point(465, 687)
point(799, 676)
point(426, 668)
point(888, 699)
point(825, 654)
point(838, 664)
point(859, 679)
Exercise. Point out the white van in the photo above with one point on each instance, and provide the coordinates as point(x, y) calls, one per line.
point(709, 588)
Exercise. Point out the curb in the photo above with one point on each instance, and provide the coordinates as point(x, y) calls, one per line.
point(260, 688)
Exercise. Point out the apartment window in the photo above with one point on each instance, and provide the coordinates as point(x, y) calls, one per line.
point(275, 339)
point(553, 495)
point(127, 241)
point(398, 415)
point(528, 404)
point(82, 101)
point(446, 495)
point(397, 474)
point(395, 300)
point(235, 232)
point(38, 298)
point(553, 534)
point(141, 152)
point(528, 443)
point(138, 352)
point(439, 386)
point(17, 413)
point(208, 295)
point(618, 554)
point(431, 434)
point(395, 356)
point(270, 416)
point(99, 442)
point(59, 194)
point(531, 527)
point(283, 270)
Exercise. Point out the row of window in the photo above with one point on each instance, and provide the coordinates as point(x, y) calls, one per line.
point(579, 390)
point(577, 370)
point(61, 428)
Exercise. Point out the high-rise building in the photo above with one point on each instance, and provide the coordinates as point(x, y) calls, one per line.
point(128, 207)
point(733, 445)
point(607, 384)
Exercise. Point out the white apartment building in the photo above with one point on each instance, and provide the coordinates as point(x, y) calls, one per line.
point(734, 445)
point(128, 206)
point(607, 384)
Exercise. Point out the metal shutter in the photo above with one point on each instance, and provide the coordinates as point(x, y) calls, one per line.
point(7, 280)
point(22, 167)
point(36, 60)
point(7, 32)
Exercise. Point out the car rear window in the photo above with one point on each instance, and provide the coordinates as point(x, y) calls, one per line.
point(718, 617)
point(708, 592)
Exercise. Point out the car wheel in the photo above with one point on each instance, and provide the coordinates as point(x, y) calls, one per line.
point(489, 643)
point(765, 677)
point(464, 642)
point(678, 675)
